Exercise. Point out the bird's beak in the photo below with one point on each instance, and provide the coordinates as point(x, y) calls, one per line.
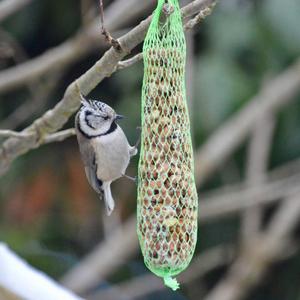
point(119, 117)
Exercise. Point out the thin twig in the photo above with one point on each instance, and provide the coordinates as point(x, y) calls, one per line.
point(113, 42)
point(200, 16)
point(59, 136)
point(129, 62)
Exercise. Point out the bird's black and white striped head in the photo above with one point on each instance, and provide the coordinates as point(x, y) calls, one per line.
point(95, 118)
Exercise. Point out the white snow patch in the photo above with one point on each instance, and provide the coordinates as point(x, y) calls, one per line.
point(19, 277)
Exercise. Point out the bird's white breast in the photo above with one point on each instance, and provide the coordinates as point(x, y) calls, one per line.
point(112, 155)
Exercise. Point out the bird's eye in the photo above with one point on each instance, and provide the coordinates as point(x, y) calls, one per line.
point(105, 118)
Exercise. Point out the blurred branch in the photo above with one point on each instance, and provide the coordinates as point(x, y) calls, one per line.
point(40, 92)
point(272, 97)
point(200, 16)
point(221, 203)
point(86, 41)
point(17, 278)
point(259, 148)
point(284, 221)
point(87, 11)
point(38, 89)
point(54, 119)
point(103, 260)
point(17, 52)
point(258, 158)
point(9, 7)
point(255, 259)
point(147, 284)
point(106, 258)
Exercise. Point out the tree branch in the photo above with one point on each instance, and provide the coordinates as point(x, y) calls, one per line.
point(200, 16)
point(8, 7)
point(34, 103)
point(109, 255)
point(11, 133)
point(120, 12)
point(112, 42)
point(51, 138)
point(59, 136)
point(54, 119)
point(257, 165)
point(273, 96)
point(255, 259)
point(105, 259)
point(129, 62)
point(221, 203)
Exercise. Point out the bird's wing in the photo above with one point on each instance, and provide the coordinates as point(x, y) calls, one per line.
point(89, 160)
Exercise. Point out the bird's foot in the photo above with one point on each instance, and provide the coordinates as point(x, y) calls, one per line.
point(139, 139)
point(133, 151)
point(134, 179)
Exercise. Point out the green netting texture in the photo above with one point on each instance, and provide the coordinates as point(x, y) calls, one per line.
point(167, 197)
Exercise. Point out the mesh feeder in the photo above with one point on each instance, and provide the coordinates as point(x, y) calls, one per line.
point(167, 198)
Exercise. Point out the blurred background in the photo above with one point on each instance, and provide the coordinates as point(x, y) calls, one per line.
point(243, 86)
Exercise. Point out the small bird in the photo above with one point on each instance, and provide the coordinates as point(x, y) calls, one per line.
point(104, 148)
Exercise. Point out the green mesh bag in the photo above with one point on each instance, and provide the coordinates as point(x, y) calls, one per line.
point(167, 198)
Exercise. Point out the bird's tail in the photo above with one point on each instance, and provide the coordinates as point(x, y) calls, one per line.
point(108, 199)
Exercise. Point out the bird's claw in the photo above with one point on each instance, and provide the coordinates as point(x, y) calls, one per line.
point(139, 139)
point(134, 179)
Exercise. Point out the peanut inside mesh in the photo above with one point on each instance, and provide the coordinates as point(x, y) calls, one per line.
point(167, 218)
